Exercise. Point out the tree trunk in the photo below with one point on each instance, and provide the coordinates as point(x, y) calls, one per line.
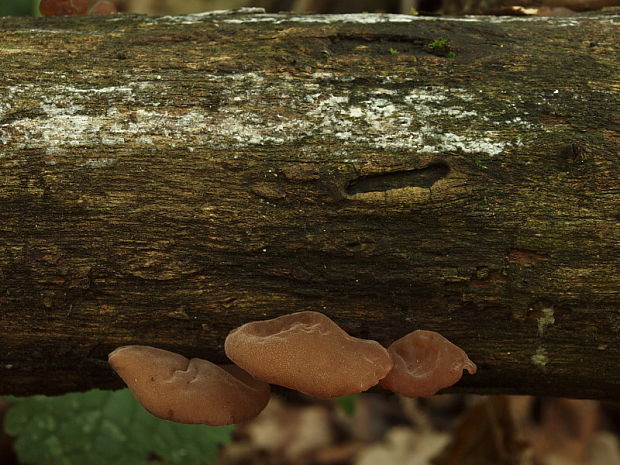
point(164, 180)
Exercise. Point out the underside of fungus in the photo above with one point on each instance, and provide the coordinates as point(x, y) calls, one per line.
point(63, 7)
point(308, 352)
point(175, 388)
point(424, 363)
point(75, 7)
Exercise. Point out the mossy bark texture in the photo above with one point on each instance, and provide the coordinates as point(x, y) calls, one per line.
point(164, 180)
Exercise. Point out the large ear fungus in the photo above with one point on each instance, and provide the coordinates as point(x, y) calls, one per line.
point(63, 7)
point(308, 352)
point(178, 389)
point(424, 363)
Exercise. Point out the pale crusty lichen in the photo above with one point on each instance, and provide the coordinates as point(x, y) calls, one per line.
point(547, 318)
point(540, 358)
point(430, 119)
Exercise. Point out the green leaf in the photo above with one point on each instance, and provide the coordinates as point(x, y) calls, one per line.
point(17, 7)
point(102, 428)
point(438, 43)
point(480, 164)
point(347, 404)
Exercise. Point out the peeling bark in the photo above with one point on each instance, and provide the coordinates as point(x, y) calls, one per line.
point(164, 180)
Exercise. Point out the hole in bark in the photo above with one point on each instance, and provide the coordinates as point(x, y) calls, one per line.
point(423, 177)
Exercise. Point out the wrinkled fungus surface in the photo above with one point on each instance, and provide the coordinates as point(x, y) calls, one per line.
point(308, 352)
point(63, 7)
point(178, 389)
point(424, 363)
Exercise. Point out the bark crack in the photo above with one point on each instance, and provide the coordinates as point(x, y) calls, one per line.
point(423, 177)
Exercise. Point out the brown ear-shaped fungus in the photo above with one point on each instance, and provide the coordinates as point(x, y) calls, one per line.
point(178, 389)
point(63, 7)
point(308, 352)
point(424, 363)
point(103, 7)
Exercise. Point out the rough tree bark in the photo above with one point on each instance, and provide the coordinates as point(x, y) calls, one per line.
point(164, 180)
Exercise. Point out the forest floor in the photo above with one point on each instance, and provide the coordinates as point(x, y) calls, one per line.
point(381, 429)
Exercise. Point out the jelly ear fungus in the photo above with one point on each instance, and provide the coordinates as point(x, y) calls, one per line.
point(308, 352)
point(424, 363)
point(175, 388)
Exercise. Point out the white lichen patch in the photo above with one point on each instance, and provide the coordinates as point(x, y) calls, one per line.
point(208, 15)
point(358, 18)
point(258, 15)
point(99, 162)
point(449, 142)
point(103, 90)
point(540, 358)
point(4, 109)
point(545, 320)
point(48, 31)
point(254, 109)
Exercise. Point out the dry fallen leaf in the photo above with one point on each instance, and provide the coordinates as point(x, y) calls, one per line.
point(403, 446)
point(487, 435)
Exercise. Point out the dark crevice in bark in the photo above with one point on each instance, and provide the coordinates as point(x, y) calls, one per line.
point(424, 177)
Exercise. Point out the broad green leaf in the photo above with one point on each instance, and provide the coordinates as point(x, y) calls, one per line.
point(17, 7)
point(105, 428)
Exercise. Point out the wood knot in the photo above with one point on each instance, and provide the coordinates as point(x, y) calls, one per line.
point(268, 191)
point(573, 153)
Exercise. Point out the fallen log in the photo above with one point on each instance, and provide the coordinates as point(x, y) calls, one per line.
point(164, 180)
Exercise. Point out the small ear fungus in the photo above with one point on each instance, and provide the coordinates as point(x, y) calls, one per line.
point(103, 7)
point(175, 388)
point(424, 363)
point(63, 7)
point(308, 352)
